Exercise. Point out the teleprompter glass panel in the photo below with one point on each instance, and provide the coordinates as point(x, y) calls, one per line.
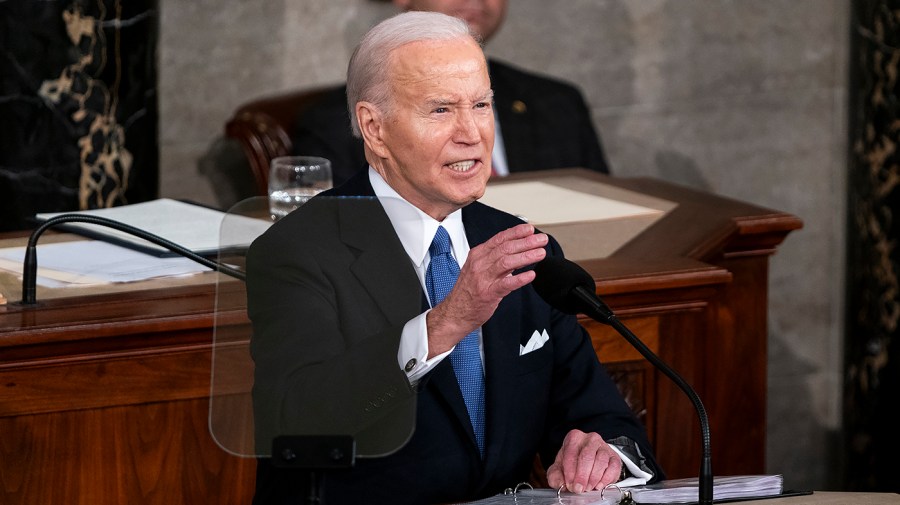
point(306, 349)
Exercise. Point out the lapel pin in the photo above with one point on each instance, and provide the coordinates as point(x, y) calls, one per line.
point(519, 107)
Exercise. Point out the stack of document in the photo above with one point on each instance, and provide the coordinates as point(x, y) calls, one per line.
point(724, 488)
point(194, 227)
point(122, 257)
point(91, 262)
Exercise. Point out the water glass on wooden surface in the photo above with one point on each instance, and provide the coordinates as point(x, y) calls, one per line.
point(293, 180)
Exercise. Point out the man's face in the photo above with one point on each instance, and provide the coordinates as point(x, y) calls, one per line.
point(483, 16)
point(436, 140)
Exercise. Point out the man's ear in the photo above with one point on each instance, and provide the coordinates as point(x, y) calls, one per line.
point(371, 125)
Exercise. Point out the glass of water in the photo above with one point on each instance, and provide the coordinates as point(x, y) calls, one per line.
point(293, 180)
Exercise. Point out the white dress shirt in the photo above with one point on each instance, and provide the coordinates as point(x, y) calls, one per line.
point(498, 155)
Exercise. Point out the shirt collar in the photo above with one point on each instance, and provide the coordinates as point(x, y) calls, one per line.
point(415, 228)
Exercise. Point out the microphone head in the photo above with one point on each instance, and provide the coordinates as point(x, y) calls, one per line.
point(555, 280)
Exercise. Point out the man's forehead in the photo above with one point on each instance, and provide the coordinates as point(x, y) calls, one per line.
point(430, 56)
point(440, 69)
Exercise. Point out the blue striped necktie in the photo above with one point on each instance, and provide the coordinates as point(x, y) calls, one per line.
point(440, 277)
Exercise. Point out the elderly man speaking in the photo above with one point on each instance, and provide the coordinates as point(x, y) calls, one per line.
point(414, 305)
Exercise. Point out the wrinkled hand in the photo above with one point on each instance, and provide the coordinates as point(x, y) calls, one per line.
point(483, 281)
point(585, 462)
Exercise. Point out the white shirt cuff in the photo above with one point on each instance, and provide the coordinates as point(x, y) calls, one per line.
point(638, 477)
point(413, 353)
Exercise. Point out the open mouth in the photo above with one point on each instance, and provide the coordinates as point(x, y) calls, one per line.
point(462, 166)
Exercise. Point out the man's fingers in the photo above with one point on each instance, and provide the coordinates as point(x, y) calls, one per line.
point(604, 474)
point(612, 473)
point(509, 250)
point(514, 240)
point(584, 463)
point(555, 476)
point(506, 265)
point(511, 283)
point(516, 232)
point(580, 459)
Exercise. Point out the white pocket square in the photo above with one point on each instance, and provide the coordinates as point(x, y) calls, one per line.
point(536, 341)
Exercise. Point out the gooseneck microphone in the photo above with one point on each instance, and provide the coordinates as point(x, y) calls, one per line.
point(570, 289)
point(29, 274)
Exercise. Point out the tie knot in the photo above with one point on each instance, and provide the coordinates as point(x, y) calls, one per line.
point(441, 243)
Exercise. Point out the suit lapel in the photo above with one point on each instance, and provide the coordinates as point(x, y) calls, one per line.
point(382, 266)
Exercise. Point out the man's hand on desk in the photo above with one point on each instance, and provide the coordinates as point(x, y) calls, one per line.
point(584, 463)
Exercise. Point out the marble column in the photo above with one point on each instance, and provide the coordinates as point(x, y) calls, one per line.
point(78, 106)
point(872, 388)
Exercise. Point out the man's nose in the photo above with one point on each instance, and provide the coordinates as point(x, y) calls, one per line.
point(467, 128)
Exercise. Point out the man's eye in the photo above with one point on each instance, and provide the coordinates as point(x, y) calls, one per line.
point(441, 110)
point(482, 105)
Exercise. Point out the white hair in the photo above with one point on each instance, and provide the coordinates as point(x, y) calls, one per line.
point(367, 73)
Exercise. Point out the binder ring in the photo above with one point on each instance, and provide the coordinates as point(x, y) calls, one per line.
point(516, 489)
point(609, 486)
point(625, 499)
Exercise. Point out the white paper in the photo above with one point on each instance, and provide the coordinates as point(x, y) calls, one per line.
point(724, 487)
point(191, 226)
point(87, 262)
point(544, 204)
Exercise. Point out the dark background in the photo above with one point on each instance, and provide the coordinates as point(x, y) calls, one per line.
point(41, 160)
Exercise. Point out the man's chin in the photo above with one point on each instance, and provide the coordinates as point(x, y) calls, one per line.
point(474, 196)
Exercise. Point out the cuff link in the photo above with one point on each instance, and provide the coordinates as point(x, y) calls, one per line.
point(411, 365)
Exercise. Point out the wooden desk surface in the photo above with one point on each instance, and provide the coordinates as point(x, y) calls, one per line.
point(831, 498)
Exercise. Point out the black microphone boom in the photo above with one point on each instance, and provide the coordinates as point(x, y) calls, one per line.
point(570, 289)
point(29, 274)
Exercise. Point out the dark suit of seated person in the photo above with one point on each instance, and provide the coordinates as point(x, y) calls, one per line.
point(356, 328)
point(542, 122)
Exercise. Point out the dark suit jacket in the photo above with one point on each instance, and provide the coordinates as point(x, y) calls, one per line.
point(545, 124)
point(329, 290)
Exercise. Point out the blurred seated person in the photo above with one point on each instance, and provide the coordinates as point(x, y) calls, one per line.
point(541, 122)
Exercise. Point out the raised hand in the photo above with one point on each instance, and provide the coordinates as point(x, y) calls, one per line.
point(484, 280)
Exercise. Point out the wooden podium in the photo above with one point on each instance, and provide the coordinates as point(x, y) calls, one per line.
point(104, 397)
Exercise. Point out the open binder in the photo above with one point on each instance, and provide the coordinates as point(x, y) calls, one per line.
point(725, 489)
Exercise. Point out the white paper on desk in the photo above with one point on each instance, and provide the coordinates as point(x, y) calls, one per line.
point(544, 204)
point(96, 262)
point(11, 266)
point(193, 227)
